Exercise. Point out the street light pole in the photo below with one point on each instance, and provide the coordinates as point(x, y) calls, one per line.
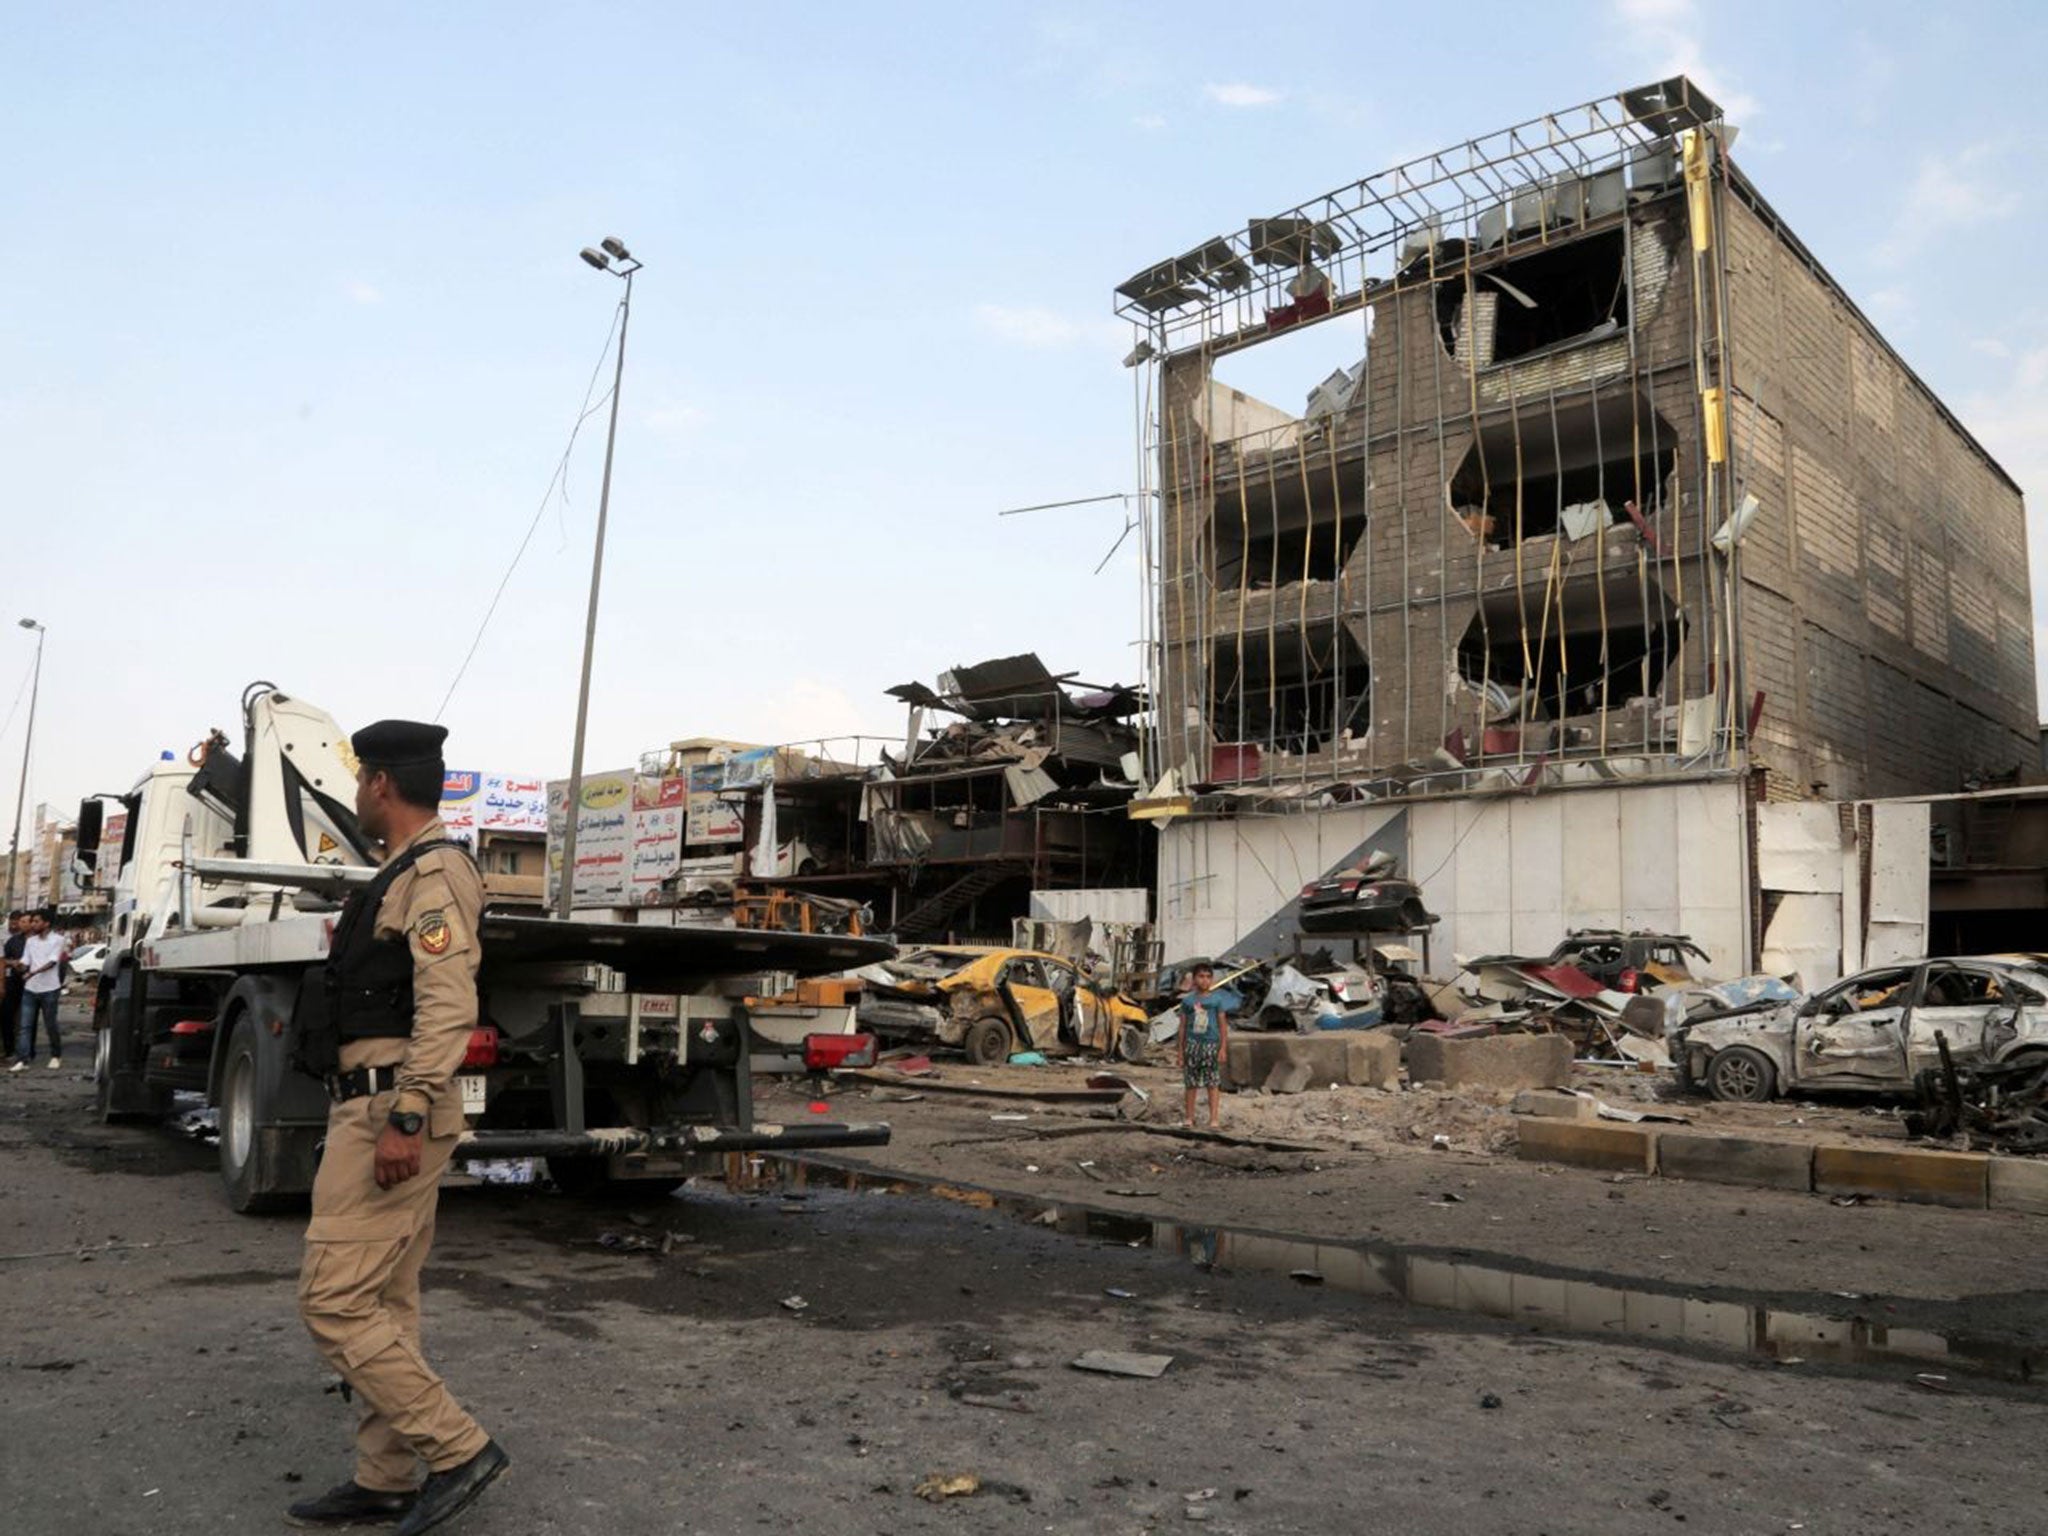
point(27, 742)
point(613, 257)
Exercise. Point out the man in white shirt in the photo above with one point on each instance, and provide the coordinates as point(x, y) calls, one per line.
point(42, 961)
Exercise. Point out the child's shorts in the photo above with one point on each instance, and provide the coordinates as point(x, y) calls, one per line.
point(1203, 1064)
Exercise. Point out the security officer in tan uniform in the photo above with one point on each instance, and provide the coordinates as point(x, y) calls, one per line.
point(401, 997)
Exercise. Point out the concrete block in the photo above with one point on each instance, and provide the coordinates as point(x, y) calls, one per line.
point(1623, 1148)
point(1904, 1173)
point(1500, 1061)
point(2019, 1184)
point(1288, 1077)
point(1548, 1104)
point(1362, 1057)
point(1749, 1160)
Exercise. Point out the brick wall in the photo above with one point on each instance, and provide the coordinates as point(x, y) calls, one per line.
point(1885, 607)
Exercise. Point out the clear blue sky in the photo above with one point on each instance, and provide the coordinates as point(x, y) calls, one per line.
point(294, 326)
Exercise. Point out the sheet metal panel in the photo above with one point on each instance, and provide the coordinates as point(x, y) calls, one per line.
point(1799, 847)
point(1649, 858)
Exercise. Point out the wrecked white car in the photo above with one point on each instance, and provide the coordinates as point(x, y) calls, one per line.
point(1871, 1032)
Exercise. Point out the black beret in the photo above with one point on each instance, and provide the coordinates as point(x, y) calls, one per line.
point(398, 743)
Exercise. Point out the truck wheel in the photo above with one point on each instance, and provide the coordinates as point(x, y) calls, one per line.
point(988, 1041)
point(119, 1092)
point(248, 1156)
point(1133, 1042)
point(1740, 1075)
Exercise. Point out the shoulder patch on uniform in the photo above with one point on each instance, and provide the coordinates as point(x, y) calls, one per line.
point(434, 933)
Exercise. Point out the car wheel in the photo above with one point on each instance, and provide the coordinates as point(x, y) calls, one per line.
point(1133, 1042)
point(987, 1042)
point(1741, 1075)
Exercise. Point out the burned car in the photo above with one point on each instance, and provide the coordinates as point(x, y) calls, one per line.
point(993, 1003)
point(1631, 962)
point(1295, 993)
point(1246, 977)
point(1372, 897)
point(1875, 1031)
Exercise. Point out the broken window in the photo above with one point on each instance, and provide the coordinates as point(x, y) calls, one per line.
point(1574, 469)
point(1290, 691)
point(1545, 660)
point(1290, 491)
point(1573, 291)
point(1283, 531)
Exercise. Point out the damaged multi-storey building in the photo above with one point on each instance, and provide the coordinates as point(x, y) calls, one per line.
point(1624, 521)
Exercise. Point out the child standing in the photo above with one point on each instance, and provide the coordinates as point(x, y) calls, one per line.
point(1204, 1037)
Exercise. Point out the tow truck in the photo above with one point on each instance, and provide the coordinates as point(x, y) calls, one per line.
point(613, 1044)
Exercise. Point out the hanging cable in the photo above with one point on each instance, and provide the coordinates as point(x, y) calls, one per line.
point(15, 707)
point(588, 409)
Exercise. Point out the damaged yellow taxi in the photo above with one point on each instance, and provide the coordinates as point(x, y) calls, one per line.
point(994, 1003)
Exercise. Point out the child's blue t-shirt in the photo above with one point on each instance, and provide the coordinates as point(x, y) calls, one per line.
point(1203, 1017)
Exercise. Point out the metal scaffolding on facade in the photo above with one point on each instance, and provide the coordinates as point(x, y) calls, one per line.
point(1484, 554)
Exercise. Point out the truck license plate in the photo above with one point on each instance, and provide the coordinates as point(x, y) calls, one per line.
point(472, 1086)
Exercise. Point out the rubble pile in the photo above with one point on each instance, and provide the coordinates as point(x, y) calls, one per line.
point(1991, 1108)
point(1614, 995)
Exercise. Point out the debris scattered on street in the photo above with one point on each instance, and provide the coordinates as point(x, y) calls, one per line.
point(938, 1487)
point(1116, 1362)
point(1992, 1108)
point(795, 1304)
point(83, 1254)
point(981, 1400)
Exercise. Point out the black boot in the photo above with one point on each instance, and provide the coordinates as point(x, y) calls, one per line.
point(351, 1504)
point(445, 1495)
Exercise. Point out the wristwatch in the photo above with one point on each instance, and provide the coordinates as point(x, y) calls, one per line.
point(405, 1124)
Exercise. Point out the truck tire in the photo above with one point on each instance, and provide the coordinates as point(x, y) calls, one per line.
point(119, 1093)
point(987, 1041)
point(254, 1167)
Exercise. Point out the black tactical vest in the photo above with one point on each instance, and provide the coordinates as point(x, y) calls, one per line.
point(369, 978)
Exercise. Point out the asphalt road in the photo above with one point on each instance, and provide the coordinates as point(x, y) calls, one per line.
point(163, 1384)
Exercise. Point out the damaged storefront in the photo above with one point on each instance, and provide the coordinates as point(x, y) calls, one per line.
point(1010, 780)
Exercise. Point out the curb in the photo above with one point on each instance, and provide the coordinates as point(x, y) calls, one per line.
point(1974, 1181)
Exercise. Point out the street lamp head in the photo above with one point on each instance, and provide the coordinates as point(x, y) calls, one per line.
point(597, 259)
point(30, 624)
point(616, 248)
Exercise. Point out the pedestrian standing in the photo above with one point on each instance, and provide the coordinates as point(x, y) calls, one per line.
point(1204, 1038)
point(10, 995)
point(401, 997)
point(42, 977)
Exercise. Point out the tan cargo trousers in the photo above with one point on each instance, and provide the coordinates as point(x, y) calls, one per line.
point(359, 1296)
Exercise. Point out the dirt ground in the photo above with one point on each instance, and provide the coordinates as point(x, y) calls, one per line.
point(153, 1377)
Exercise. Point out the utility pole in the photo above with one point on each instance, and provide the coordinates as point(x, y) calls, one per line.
point(610, 256)
point(21, 790)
